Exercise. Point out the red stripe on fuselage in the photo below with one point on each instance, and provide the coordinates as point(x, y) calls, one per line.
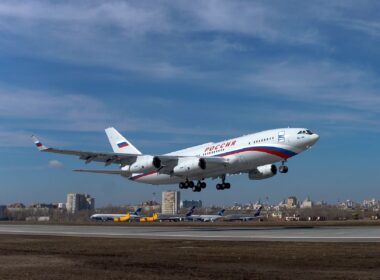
point(142, 175)
point(263, 150)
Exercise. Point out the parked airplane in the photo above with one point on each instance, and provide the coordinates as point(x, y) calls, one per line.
point(245, 217)
point(178, 217)
point(208, 218)
point(117, 217)
point(254, 154)
point(153, 218)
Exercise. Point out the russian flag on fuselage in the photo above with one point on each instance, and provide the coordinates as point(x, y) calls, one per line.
point(122, 145)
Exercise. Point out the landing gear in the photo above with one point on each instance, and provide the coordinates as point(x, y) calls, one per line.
point(283, 168)
point(223, 185)
point(190, 184)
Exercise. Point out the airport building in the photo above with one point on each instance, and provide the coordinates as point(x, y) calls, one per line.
point(170, 202)
point(191, 203)
point(77, 202)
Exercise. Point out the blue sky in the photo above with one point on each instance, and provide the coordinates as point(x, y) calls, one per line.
point(170, 75)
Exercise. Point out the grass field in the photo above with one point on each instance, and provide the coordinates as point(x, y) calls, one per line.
point(38, 257)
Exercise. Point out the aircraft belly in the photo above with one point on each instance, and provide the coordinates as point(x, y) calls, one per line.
point(158, 179)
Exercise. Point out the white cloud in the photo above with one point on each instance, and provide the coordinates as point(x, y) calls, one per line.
point(24, 112)
point(56, 164)
point(123, 35)
point(18, 138)
point(322, 82)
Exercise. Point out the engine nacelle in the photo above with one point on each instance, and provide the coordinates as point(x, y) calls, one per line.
point(145, 164)
point(190, 166)
point(263, 172)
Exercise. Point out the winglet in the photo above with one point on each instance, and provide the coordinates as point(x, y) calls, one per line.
point(38, 144)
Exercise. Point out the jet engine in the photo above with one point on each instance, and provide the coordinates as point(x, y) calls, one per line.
point(190, 166)
point(263, 172)
point(145, 164)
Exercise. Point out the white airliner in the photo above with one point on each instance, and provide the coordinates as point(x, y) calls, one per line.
point(254, 154)
point(244, 217)
point(208, 218)
point(112, 217)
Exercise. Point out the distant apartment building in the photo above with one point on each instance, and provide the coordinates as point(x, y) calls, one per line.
point(170, 202)
point(3, 214)
point(191, 203)
point(291, 202)
point(77, 202)
point(307, 203)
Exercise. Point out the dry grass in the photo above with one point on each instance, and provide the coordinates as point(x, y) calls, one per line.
point(32, 257)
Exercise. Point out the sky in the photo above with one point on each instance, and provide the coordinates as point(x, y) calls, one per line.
point(170, 74)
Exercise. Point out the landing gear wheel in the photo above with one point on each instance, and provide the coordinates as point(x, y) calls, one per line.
point(203, 185)
point(227, 186)
point(218, 186)
point(197, 188)
point(191, 184)
point(283, 169)
point(181, 185)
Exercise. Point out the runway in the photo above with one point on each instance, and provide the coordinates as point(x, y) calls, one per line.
point(317, 234)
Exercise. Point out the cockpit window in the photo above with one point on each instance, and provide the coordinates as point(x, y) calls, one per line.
point(305, 132)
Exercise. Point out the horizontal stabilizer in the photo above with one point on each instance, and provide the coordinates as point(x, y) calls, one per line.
point(112, 172)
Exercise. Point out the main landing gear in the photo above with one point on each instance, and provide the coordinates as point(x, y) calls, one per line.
point(283, 168)
point(190, 184)
point(223, 185)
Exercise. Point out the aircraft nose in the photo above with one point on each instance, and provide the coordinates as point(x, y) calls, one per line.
point(314, 138)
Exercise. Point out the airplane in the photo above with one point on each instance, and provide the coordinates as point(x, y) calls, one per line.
point(177, 218)
point(253, 154)
point(245, 217)
point(208, 218)
point(117, 217)
point(153, 218)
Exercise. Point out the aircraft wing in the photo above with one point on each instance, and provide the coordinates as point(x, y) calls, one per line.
point(107, 158)
point(112, 172)
point(169, 162)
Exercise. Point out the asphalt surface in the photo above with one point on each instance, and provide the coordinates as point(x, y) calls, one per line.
point(318, 234)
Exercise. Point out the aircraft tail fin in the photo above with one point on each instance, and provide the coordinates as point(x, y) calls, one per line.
point(258, 211)
point(221, 212)
point(137, 212)
point(119, 143)
point(188, 214)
